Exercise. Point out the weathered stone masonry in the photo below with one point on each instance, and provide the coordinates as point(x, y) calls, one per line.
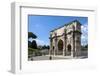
point(66, 40)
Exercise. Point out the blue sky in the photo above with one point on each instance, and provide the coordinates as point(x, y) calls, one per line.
point(42, 25)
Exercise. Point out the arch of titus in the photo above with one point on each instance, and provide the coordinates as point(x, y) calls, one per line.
point(66, 40)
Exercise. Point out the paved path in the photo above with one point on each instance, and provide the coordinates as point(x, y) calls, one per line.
point(53, 57)
point(47, 58)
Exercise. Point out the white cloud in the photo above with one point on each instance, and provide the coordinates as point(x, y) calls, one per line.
point(84, 28)
point(84, 36)
point(40, 42)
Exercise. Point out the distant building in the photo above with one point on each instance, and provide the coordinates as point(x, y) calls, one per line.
point(66, 40)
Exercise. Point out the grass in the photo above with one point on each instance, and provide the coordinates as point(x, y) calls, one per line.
point(32, 51)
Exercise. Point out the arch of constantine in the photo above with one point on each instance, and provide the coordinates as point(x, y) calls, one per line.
point(66, 40)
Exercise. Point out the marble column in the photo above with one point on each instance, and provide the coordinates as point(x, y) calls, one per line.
point(55, 48)
point(64, 43)
point(73, 36)
point(51, 49)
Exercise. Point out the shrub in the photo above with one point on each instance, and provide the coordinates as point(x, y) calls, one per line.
point(32, 51)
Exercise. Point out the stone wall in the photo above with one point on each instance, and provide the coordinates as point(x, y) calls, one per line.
point(66, 38)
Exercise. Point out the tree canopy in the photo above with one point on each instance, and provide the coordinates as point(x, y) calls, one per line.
point(34, 44)
point(31, 35)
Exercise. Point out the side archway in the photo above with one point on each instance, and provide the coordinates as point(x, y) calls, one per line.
point(69, 49)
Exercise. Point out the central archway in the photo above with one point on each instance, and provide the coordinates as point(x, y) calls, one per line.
point(60, 47)
point(69, 49)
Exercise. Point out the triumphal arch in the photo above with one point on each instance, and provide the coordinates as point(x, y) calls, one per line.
point(66, 40)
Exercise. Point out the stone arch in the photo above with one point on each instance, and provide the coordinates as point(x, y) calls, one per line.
point(60, 44)
point(60, 47)
point(53, 47)
point(69, 49)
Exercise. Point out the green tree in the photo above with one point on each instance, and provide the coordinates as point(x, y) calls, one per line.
point(29, 43)
point(44, 47)
point(48, 47)
point(86, 46)
point(31, 35)
point(34, 44)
